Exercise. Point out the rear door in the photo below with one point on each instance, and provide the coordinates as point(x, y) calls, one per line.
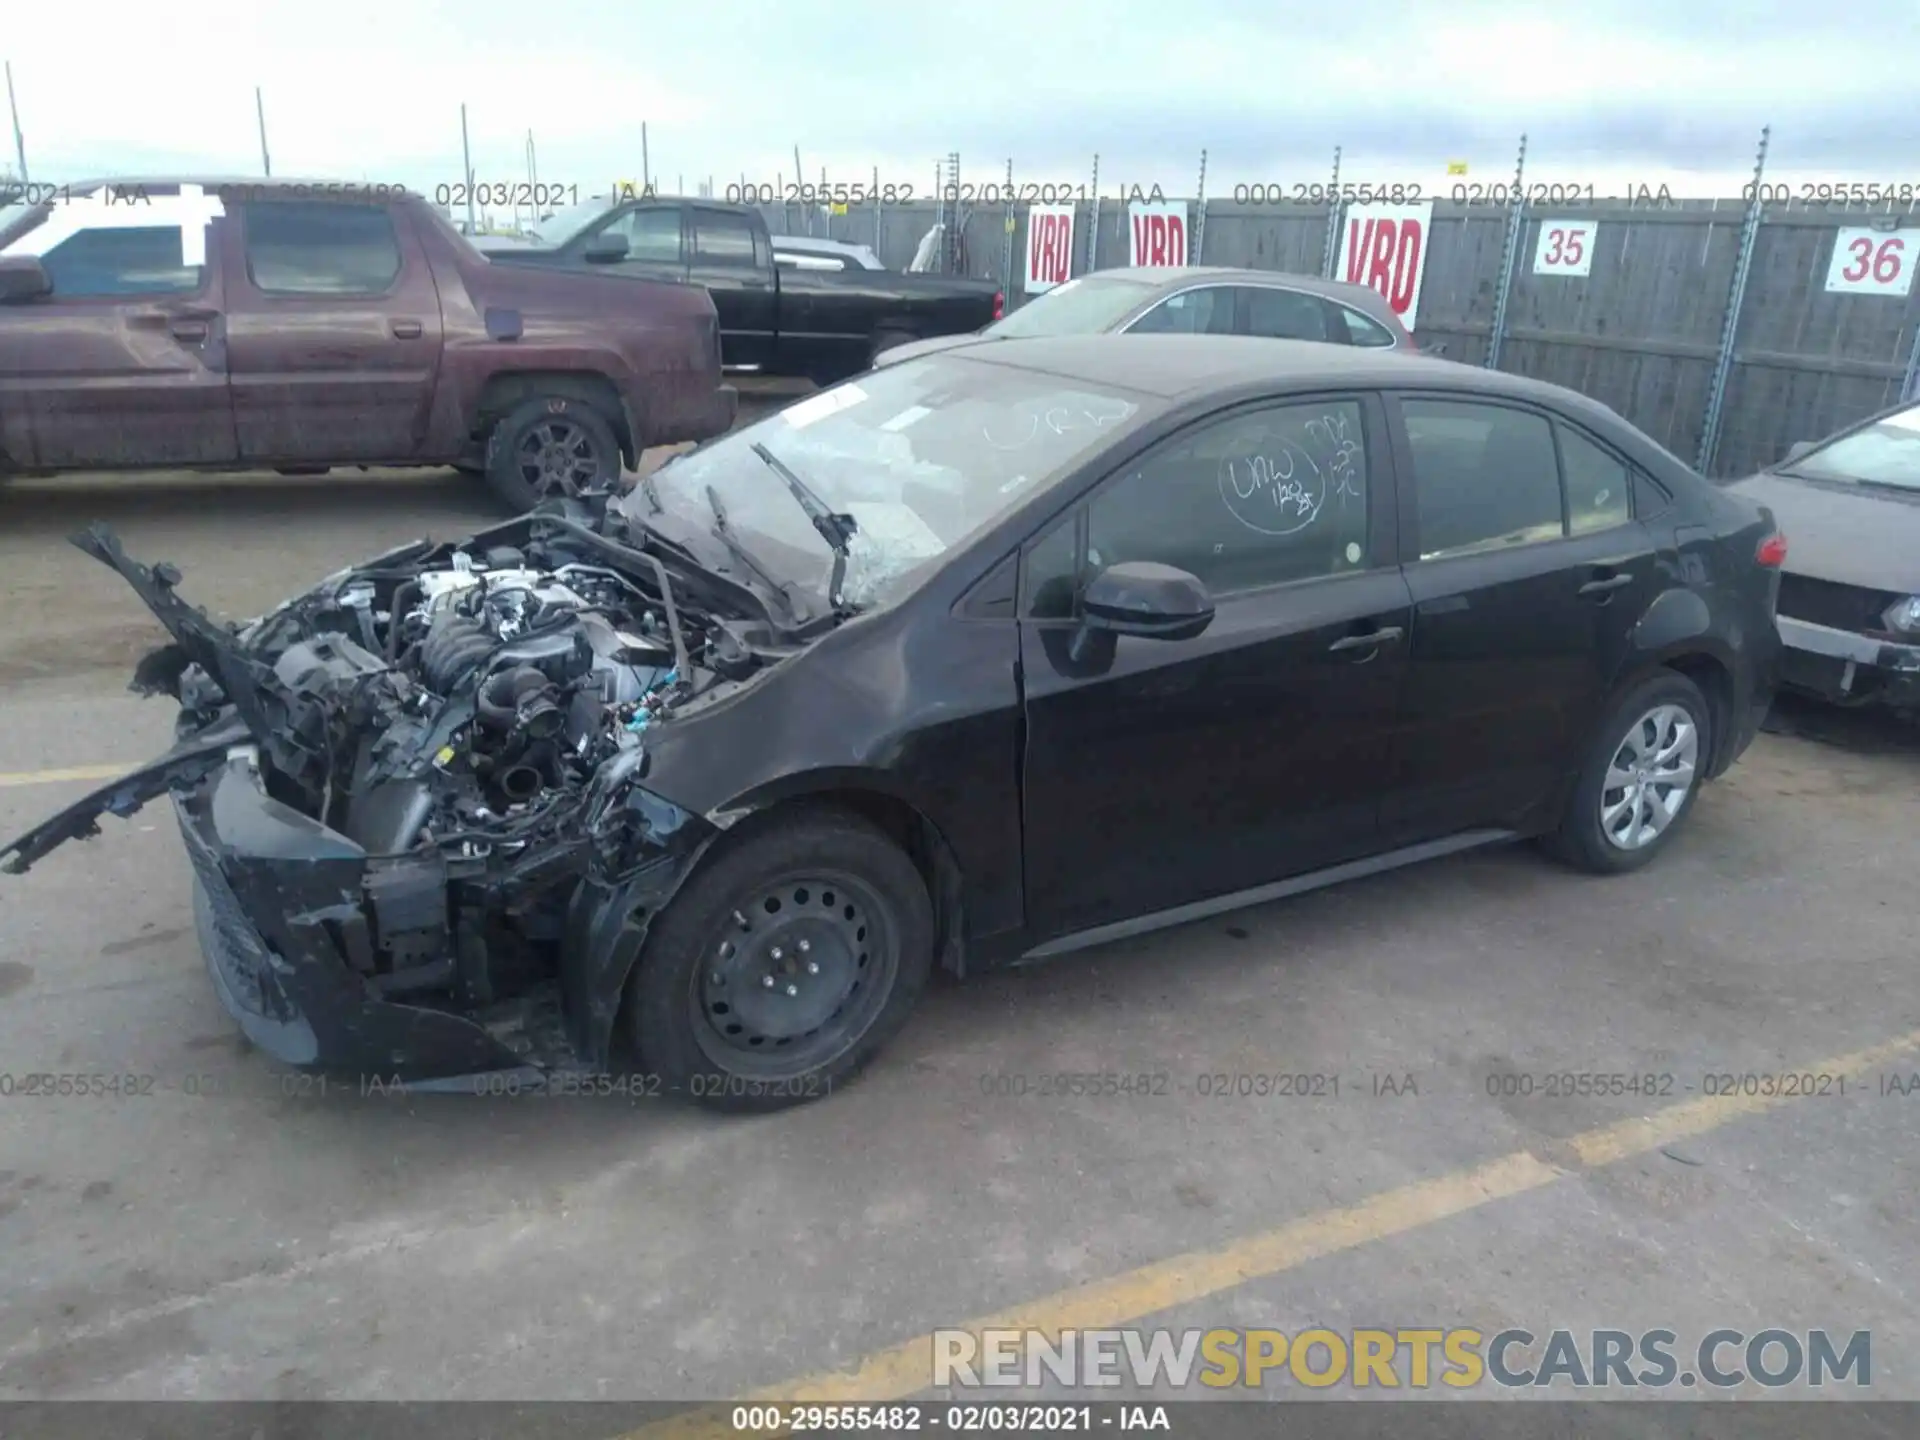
point(730, 255)
point(1528, 573)
point(1161, 772)
point(1274, 312)
point(334, 333)
point(125, 363)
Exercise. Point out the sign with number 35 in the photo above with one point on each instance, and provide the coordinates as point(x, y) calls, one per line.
point(1872, 262)
point(1565, 247)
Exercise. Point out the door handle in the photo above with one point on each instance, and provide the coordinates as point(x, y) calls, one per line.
point(406, 329)
point(194, 330)
point(1606, 586)
point(1372, 640)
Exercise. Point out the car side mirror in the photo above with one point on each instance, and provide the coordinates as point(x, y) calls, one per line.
point(605, 249)
point(1797, 449)
point(23, 277)
point(1144, 598)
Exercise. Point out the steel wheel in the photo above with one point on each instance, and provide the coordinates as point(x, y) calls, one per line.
point(556, 457)
point(1649, 777)
point(796, 975)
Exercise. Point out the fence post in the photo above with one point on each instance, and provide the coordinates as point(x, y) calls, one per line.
point(957, 234)
point(1006, 244)
point(1730, 326)
point(1910, 386)
point(1200, 219)
point(1093, 226)
point(1330, 249)
point(1509, 257)
point(940, 208)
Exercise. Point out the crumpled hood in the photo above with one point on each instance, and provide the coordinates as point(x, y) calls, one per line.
point(1852, 536)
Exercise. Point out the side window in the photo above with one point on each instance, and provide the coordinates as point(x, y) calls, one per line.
point(145, 261)
point(1053, 572)
point(652, 234)
point(1484, 477)
point(1258, 498)
point(1597, 484)
point(1207, 311)
point(1650, 497)
point(1279, 314)
point(722, 239)
point(311, 248)
point(1364, 331)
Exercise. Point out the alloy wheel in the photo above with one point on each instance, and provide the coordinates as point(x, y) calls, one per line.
point(1649, 777)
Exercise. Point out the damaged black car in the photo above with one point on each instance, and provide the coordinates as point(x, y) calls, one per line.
point(981, 658)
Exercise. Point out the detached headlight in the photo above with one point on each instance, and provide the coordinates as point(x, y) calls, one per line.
point(1903, 616)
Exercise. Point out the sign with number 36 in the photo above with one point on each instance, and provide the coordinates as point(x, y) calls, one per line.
point(1565, 248)
point(1872, 262)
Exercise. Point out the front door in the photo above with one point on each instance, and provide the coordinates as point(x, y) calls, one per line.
point(1526, 590)
point(334, 333)
point(1161, 772)
point(125, 363)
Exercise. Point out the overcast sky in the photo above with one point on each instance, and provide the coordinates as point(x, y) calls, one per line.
point(1672, 91)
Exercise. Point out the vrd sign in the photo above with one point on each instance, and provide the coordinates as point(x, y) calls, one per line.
point(1384, 247)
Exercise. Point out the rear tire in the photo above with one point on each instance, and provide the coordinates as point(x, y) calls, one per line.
point(551, 447)
point(835, 949)
point(1629, 800)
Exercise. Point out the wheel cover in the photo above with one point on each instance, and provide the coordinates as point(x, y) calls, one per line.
point(795, 975)
point(1649, 776)
point(556, 457)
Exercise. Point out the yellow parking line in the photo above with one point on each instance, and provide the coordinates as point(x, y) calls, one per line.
point(904, 1370)
point(10, 778)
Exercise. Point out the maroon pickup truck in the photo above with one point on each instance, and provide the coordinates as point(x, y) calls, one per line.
point(269, 324)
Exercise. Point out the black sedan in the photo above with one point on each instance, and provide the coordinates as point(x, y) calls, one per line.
point(989, 656)
point(1850, 597)
point(1192, 300)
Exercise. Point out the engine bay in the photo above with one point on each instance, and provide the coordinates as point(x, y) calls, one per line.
point(473, 717)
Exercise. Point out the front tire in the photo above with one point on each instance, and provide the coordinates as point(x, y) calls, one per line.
point(783, 966)
point(1639, 780)
point(551, 447)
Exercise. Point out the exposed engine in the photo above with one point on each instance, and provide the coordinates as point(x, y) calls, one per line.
point(565, 667)
point(473, 718)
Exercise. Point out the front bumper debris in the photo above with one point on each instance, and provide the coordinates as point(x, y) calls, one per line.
point(283, 906)
point(1847, 667)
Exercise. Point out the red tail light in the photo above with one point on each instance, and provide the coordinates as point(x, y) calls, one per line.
point(999, 304)
point(1773, 551)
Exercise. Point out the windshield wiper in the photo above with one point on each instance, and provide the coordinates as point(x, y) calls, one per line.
point(835, 528)
point(723, 532)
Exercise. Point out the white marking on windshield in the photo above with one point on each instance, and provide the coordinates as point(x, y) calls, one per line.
point(817, 407)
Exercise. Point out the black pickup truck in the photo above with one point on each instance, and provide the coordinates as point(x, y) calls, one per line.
point(776, 320)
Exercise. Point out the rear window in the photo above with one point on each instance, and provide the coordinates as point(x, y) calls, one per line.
point(1363, 331)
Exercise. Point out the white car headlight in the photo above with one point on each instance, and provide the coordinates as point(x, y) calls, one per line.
point(1903, 616)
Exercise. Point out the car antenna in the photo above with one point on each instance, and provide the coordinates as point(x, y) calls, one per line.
point(835, 528)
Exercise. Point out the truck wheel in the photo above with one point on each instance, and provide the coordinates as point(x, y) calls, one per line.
point(550, 448)
point(783, 966)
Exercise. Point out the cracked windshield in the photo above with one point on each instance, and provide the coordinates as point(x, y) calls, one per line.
point(920, 456)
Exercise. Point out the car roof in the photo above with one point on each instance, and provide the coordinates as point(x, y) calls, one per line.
point(1174, 276)
point(1179, 367)
point(255, 182)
